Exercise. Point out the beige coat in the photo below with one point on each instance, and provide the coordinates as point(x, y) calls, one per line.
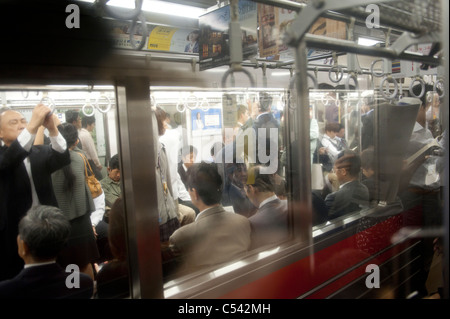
point(215, 237)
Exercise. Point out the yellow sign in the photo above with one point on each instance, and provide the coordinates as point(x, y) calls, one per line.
point(160, 38)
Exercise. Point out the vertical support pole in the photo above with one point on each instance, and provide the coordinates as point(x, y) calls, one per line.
point(137, 129)
point(300, 151)
point(444, 37)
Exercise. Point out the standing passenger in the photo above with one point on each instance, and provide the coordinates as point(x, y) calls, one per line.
point(87, 126)
point(25, 175)
point(75, 201)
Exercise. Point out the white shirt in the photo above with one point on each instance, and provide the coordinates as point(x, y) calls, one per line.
point(267, 200)
point(26, 140)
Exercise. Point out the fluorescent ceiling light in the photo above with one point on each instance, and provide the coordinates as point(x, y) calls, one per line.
point(367, 41)
point(157, 6)
point(281, 73)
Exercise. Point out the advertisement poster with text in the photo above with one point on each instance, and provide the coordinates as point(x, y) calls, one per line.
point(214, 47)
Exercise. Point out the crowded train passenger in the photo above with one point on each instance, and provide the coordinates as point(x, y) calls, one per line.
point(86, 139)
point(75, 201)
point(216, 236)
point(188, 157)
point(43, 232)
point(265, 122)
point(185, 214)
point(113, 190)
point(269, 224)
point(328, 147)
point(421, 198)
point(352, 196)
point(112, 278)
point(25, 175)
point(368, 172)
point(111, 183)
point(73, 117)
point(169, 220)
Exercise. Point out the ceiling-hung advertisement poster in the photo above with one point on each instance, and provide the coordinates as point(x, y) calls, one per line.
point(214, 47)
point(161, 38)
point(273, 21)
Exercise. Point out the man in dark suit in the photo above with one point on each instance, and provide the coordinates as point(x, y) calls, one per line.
point(270, 222)
point(188, 155)
point(25, 175)
point(266, 147)
point(43, 232)
point(352, 195)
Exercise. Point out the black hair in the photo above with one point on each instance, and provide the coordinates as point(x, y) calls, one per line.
point(114, 162)
point(45, 230)
point(87, 120)
point(205, 178)
point(417, 89)
point(263, 182)
point(72, 116)
point(70, 134)
point(351, 162)
point(188, 149)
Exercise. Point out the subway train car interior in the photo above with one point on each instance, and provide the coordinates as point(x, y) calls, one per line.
point(315, 131)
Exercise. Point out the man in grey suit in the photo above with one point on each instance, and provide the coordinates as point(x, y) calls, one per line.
point(216, 236)
point(270, 222)
point(351, 195)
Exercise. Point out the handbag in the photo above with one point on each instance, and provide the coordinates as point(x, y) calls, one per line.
point(94, 185)
point(317, 179)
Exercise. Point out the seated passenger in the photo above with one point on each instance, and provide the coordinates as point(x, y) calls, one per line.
point(188, 156)
point(111, 183)
point(112, 279)
point(352, 195)
point(270, 223)
point(216, 236)
point(43, 232)
point(368, 172)
point(328, 146)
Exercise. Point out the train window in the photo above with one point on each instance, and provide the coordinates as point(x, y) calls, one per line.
point(86, 118)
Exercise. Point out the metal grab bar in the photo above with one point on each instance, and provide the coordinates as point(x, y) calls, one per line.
point(339, 69)
point(378, 75)
point(389, 79)
point(353, 76)
point(96, 105)
point(50, 103)
point(144, 34)
point(422, 86)
point(292, 83)
point(439, 82)
point(237, 69)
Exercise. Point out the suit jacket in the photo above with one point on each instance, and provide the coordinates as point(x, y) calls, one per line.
point(270, 223)
point(46, 282)
point(16, 198)
point(215, 237)
point(351, 197)
point(183, 174)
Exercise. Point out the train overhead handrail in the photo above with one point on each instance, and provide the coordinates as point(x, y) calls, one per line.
point(237, 69)
point(354, 77)
point(372, 71)
point(383, 92)
point(439, 84)
point(292, 84)
point(422, 87)
point(96, 105)
point(144, 33)
point(48, 101)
